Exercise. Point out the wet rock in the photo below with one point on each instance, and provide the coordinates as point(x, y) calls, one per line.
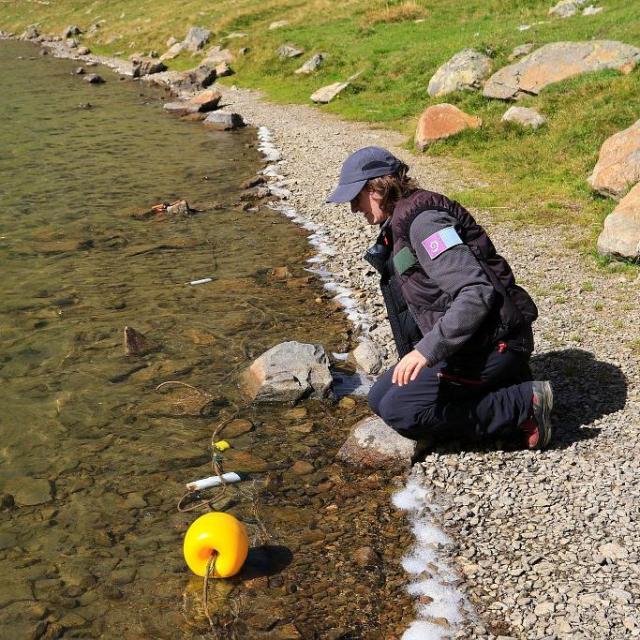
point(196, 38)
point(281, 273)
point(524, 116)
point(237, 428)
point(28, 491)
point(367, 356)
point(618, 166)
point(79, 71)
point(71, 30)
point(366, 557)
point(521, 50)
point(72, 620)
point(179, 208)
point(328, 93)
point(312, 64)
point(347, 404)
point(135, 343)
point(442, 121)
point(302, 468)
point(124, 576)
point(289, 51)
point(7, 541)
point(556, 62)
point(466, 70)
point(621, 233)
point(373, 444)
point(14, 591)
point(93, 78)
point(224, 121)
point(288, 372)
point(147, 66)
point(242, 461)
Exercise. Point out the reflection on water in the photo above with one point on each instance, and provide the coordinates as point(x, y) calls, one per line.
point(93, 460)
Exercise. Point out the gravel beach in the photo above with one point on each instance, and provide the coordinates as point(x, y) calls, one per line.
point(547, 542)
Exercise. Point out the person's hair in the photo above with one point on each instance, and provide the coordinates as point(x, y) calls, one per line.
point(392, 187)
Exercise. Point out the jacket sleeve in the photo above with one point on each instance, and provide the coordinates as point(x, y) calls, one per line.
point(454, 269)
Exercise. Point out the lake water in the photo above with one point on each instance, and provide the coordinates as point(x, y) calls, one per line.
point(93, 458)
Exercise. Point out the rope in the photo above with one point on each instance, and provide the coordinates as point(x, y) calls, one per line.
point(205, 587)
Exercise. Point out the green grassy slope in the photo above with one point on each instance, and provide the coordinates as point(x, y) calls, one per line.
point(537, 176)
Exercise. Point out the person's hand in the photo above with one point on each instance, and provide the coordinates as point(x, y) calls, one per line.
point(408, 368)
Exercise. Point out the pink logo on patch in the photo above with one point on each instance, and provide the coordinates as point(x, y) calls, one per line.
point(434, 245)
point(440, 241)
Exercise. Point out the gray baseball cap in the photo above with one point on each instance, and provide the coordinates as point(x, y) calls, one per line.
point(364, 164)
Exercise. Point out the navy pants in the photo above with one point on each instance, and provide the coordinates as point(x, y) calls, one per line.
point(439, 403)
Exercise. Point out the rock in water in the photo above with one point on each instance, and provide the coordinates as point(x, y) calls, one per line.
point(224, 121)
point(135, 344)
point(618, 166)
point(558, 61)
point(205, 101)
point(442, 121)
point(524, 117)
point(93, 78)
point(196, 38)
point(621, 233)
point(466, 70)
point(288, 372)
point(374, 444)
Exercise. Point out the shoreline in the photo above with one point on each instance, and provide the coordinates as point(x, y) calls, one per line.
point(529, 535)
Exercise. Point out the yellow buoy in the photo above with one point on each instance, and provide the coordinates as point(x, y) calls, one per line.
point(220, 534)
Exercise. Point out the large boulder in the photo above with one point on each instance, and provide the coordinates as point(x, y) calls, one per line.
point(288, 372)
point(566, 8)
point(204, 101)
point(618, 166)
point(196, 38)
point(195, 79)
point(556, 62)
point(466, 70)
point(621, 234)
point(442, 121)
point(374, 444)
point(524, 116)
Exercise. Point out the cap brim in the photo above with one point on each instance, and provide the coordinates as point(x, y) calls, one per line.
point(346, 192)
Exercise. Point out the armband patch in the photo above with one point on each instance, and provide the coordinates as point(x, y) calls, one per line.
point(440, 241)
point(404, 260)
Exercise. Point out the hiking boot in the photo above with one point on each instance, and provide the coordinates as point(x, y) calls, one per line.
point(537, 427)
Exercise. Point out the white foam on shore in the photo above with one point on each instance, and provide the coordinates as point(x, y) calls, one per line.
point(318, 238)
point(431, 574)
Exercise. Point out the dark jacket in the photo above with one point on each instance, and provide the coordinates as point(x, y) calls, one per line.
point(447, 291)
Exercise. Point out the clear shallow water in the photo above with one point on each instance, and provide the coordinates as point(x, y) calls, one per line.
point(92, 456)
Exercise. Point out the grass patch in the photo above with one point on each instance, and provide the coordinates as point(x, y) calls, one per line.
point(535, 177)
